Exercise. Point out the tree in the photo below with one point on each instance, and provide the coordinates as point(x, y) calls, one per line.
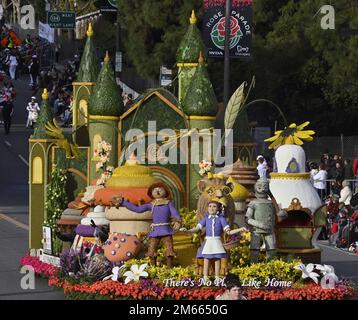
point(152, 31)
point(309, 72)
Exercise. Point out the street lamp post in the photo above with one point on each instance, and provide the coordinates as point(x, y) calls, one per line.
point(118, 41)
point(227, 53)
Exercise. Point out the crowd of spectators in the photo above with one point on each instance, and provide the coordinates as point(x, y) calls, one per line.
point(336, 180)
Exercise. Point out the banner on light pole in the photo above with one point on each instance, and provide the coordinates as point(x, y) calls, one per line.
point(46, 32)
point(240, 28)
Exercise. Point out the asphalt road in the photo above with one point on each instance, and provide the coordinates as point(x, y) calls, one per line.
point(14, 172)
point(14, 213)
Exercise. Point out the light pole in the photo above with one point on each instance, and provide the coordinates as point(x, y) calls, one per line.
point(227, 53)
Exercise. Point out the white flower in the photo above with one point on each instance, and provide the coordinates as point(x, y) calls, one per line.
point(329, 279)
point(116, 274)
point(307, 272)
point(325, 269)
point(135, 273)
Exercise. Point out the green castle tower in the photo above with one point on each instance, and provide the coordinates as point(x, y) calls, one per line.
point(105, 108)
point(188, 55)
point(39, 172)
point(83, 88)
point(200, 106)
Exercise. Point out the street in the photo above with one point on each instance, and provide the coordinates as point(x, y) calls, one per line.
point(14, 213)
point(14, 204)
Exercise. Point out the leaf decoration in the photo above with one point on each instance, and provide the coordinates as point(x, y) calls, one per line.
point(234, 106)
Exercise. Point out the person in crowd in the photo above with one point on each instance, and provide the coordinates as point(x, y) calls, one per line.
point(333, 210)
point(34, 70)
point(12, 66)
point(348, 170)
point(261, 166)
point(346, 193)
point(354, 200)
point(7, 111)
point(339, 172)
point(335, 187)
point(57, 52)
point(27, 41)
point(5, 61)
point(355, 170)
point(33, 110)
point(319, 181)
point(342, 220)
point(313, 167)
point(129, 101)
point(232, 292)
point(59, 104)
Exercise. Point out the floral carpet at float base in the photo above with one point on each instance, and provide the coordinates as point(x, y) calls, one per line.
point(153, 288)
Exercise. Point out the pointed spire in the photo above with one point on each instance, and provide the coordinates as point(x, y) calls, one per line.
point(45, 95)
point(105, 99)
point(106, 58)
point(45, 115)
point(90, 30)
point(193, 19)
point(200, 99)
point(88, 71)
point(191, 44)
point(201, 58)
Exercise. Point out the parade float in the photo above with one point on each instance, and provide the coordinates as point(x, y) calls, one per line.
point(293, 191)
point(94, 208)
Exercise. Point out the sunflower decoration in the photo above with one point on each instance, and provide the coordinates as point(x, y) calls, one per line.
point(294, 134)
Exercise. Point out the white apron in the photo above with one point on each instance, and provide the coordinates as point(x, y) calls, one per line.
point(213, 245)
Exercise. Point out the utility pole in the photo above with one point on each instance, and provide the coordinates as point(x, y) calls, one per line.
point(118, 43)
point(227, 53)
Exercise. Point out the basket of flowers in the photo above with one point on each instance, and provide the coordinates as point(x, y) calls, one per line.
point(231, 241)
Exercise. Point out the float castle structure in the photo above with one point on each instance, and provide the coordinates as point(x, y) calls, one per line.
point(98, 115)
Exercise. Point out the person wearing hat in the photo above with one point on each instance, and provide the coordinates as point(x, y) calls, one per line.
point(261, 166)
point(34, 69)
point(163, 211)
point(33, 110)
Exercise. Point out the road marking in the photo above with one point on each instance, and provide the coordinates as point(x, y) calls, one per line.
point(8, 143)
point(23, 159)
point(13, 221)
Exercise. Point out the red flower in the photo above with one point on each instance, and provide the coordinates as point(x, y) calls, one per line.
point(234, 26)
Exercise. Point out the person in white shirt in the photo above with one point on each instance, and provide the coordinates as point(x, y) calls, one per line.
point(319, 181)
point(33, 110)
point(12, 66)
point(261, 166)
point(346, 193)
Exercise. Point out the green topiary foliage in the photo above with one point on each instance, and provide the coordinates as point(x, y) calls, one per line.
point(45, 115)
point(105, 99)
point(190, 46)
point(56, 197)
point(200, 99)
point(88, 71)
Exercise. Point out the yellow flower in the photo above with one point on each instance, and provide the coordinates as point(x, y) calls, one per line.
point(292, 135)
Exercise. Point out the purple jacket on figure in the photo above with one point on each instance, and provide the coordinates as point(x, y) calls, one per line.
point(160, 213)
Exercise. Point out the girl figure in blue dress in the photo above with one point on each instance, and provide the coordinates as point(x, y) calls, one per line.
point(214, 223)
